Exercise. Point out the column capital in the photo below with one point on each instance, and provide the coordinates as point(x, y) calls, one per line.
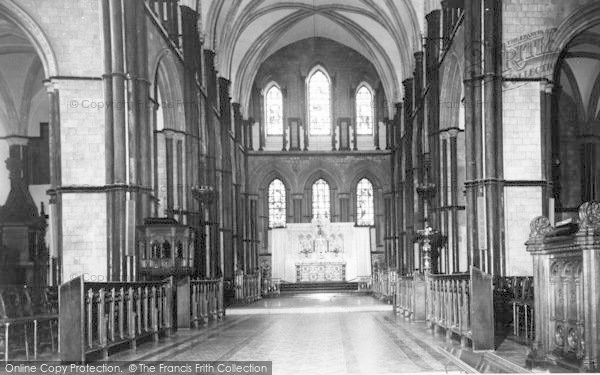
point(51, 86)
point(453, 132)
point(16, 140)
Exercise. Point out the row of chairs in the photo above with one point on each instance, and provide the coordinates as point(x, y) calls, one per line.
point(513, 297)
point(28, 320)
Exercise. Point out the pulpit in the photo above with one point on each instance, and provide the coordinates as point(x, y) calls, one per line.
point(166, 248)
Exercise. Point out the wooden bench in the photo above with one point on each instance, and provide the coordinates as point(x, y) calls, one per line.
point(411, 297)
point(462, 304)
point(26, 311)
point(199, 301)
point(97, 317)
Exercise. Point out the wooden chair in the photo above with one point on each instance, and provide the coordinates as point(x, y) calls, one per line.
point(44, 315)
point(522, 304)
point(13, 321)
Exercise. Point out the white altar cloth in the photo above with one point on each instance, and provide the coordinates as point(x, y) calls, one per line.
point(286, 244)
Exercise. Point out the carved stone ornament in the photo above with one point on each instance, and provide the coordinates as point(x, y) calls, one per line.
point(589, 215)
point(540, 226)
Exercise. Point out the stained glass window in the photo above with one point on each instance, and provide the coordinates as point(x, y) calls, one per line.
point(274, 111)
point(320, 199)
point(364, 203)
point(364, 111)
point(319, 98)
point(277, 204)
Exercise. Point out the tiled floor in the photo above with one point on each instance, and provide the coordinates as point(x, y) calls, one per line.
point(320, 334)
point(333, 343)
point(365, 342)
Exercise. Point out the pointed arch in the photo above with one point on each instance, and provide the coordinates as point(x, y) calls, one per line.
point(34, 33)
point(273, 109)
point(334, 180)
point(318, 99)
point(277, 204)
point(167, 81)
point(365, 203)
point(321, 199)
point(364, 103)
point(581, 19)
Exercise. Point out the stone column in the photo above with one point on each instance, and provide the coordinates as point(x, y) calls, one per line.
point(224, 175)
point(399, 190)
point(472, 27)
point(145, 128)
point(354, 135)
point(261, 126)
point(493, 175)
point(152, 109)
point(409, 183)
point(117, 248)
point(433, 110)
point(444, 198)
point(547, 90)
point(249, 124)
point(54, 136)
point(419, 164)
point(453, 133)
point(376, 134)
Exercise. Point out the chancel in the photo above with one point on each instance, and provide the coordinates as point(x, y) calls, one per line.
point(320, 251)
point(330, 186)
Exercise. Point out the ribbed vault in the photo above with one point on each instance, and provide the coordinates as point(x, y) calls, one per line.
point(243, 33)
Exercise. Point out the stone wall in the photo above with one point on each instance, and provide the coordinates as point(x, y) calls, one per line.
point(299, 170)
point(289, 68)
point(531, 33)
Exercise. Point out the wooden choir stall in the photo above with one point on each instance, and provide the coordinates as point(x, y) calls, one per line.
point(566, 264)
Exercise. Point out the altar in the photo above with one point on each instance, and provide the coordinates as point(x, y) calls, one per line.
point(320, 252)
point(320, 272)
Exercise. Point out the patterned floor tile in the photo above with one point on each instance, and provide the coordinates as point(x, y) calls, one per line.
point(330, 343)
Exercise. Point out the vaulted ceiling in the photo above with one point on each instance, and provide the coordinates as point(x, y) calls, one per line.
point(21, 77)
point(243, 33)
point(580, 73)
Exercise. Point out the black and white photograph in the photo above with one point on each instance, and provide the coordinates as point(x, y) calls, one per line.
point(295, 187)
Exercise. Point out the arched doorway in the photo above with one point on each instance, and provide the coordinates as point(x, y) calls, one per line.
point(576, 123)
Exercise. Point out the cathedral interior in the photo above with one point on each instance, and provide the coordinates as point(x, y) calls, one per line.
point(357, 186)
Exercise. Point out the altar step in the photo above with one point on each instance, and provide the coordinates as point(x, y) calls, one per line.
point(312, 303)
point(322, 287)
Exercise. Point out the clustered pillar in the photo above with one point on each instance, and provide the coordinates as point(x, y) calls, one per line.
point(428, 157)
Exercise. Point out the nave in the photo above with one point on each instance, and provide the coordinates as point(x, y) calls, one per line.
point(326, 333)
point(169, 160)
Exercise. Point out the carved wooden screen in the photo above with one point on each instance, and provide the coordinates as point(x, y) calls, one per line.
point(566, 313)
